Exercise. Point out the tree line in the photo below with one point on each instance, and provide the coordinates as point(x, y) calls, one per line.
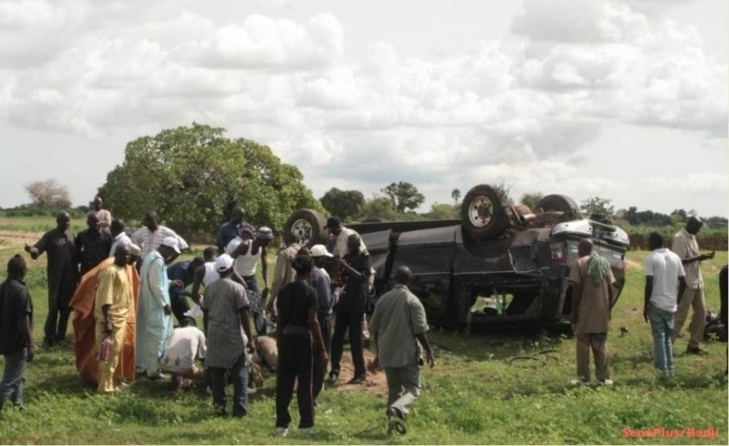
point(193, 176)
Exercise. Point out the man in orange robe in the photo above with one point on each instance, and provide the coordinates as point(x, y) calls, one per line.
point(84, 323)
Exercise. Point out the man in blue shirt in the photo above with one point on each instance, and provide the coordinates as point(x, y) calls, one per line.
point(231, 229)
point(181, 275)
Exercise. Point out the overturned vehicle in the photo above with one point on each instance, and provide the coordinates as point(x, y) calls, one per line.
point(499, 264)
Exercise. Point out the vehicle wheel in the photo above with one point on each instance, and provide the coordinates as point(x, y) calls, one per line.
point(483, 215)
point(308, 225)
point(560, 203)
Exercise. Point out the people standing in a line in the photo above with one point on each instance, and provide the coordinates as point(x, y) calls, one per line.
point(104, 215)
point(326, 298)
point(592, 292)
point(150, 236)
point(154, 321)
point(118, 235)
point(231, 229)
point(300, 344)
point(16, 332)
point(687, 249)
point(354, 270)
point(398, 327)
point(92, 244)
point(229, 340)
point(62, 273)
point(247, 251)
point(665, 283)
point(114, 299)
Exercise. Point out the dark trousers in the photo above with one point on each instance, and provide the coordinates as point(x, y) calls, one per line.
point(239, 375)
point(353, 323)
point(180, 306)
point(58, 315)
point(320, 368)
point(13, 377)
point(257, 304)
point(295, 358)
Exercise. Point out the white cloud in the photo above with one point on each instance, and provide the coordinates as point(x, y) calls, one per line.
point(524, 114)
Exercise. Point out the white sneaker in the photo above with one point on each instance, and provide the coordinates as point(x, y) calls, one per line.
point(282, 431)
point(607, 382)
point(307, 431)
point(579, 382)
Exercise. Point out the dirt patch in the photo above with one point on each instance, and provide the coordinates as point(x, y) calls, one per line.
point(376, 383)
point(633, 265)
point(18, 238)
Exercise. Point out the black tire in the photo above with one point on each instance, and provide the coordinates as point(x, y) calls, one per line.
point(308, 225)
point(560, 203)
point(483, 215)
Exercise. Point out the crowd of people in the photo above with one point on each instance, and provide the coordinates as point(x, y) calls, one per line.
point(125, 289)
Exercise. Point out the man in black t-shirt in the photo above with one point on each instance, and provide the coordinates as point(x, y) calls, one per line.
point(296, 306)
point(16, 331)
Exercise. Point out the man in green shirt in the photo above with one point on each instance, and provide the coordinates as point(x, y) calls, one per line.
point(398, 326)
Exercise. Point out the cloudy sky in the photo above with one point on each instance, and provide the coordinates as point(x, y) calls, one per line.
point(623, 99)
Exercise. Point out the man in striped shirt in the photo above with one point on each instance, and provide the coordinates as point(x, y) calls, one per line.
point(150, 236)
point(228, 331)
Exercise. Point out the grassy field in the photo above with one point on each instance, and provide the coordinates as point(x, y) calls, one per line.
point(477, 394)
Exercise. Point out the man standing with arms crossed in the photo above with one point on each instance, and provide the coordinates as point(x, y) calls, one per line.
point(685, 246)
point(398, 327)
point(665, 282)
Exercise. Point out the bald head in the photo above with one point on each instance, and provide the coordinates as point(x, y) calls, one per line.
point(63, 220)
point(403, 275)
point(584, 248)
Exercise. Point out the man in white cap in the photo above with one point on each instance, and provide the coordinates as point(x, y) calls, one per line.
point(154, 321)
point(229, 341)
point(319, 279)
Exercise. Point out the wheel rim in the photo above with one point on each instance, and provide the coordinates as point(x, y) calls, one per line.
point(480, 211)
point(302, 229)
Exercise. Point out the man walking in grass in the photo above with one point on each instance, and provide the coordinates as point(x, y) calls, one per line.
point(398, 327)
point(665, 282)
point(687, 249)
point(16, 331)
point(592, 293)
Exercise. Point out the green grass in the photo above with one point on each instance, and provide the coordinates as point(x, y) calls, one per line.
point(476, 394)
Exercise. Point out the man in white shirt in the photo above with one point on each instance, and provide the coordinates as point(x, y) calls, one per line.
point(118, 235)
point(335, 229)
point(685, 246)
point(664, 284)
point(150, 236)
point(186, 344)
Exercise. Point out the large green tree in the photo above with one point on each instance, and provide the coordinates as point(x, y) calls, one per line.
point(404, 196)
point(531, 199)
point(598, 206)
point(192, 176)
point(346, 204)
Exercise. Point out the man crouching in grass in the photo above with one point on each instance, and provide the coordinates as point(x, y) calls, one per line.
point(16, 328)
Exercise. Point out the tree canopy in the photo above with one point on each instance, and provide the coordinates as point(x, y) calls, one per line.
point(347, 204)
point(404, 196)
point(47, 194)
point(192, 176)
